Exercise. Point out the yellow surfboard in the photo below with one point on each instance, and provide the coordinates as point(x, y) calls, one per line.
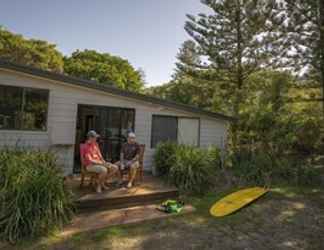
point(235, 201)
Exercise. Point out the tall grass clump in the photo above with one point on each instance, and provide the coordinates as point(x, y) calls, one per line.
point(33, 198)
point(164, 157)
point(191, 169)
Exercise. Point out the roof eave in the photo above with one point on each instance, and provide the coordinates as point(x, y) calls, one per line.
point(110, 89)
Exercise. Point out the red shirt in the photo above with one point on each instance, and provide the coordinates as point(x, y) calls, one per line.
point(92, 153)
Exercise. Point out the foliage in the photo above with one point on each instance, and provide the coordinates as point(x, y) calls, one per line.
point(263, 168)
point(234, 41)
point(104, 68)
point(31, 52)
point(304, 36)
point(187, 91)
point(87, 64)
point(280, 130)
point(164, 157)
point(190, 168)
point(33, 198)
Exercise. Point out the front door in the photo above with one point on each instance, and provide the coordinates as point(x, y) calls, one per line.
point(111, 123)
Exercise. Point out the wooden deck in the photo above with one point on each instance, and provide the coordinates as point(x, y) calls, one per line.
point(150, 191)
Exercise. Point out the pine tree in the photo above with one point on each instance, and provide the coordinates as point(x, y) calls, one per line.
point(237, 39)
point(304, 28)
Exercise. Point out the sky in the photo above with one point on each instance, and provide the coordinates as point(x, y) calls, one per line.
point(148, 33)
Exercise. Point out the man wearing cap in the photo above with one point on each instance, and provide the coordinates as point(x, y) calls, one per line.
point(95, 163)
point(129, 157)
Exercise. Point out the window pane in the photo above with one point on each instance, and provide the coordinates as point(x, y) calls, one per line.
point(127, 122)
point(114, 123)
point(35, 109)
point(164, 128)
point(10, 107)
point(188, 131)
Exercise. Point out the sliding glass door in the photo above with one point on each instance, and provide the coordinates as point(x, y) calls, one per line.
point(111, 123)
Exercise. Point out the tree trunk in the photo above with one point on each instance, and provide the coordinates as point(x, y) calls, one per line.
point(239, 78)
point(321, 47)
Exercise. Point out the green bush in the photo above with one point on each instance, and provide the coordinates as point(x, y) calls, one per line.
point(33, 197)
point(191, 169)
point(263, 169)
point(164, 157)
point(279, 135)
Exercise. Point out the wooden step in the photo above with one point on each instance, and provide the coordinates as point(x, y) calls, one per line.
point(151, 190)
point(95, 202)
point(89, 222)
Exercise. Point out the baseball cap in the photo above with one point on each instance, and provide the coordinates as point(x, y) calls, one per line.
point(92, 133)
point(131, 135)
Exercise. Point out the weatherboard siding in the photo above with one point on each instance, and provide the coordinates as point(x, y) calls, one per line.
point(62, 115)
point(213, 133)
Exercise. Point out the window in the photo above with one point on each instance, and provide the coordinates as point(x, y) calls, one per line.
point(177, 129)
point(188, 131)
point(23, 108)
point(164, 128)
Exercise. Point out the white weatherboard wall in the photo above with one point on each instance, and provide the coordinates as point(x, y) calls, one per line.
point(62, 115)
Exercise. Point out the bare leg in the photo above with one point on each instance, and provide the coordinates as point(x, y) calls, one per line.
point(101, 180)
point(132, 174)
point(119, 173)
point(112, 170)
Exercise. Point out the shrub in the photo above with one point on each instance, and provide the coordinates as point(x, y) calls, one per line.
point(191, 169)
point(164, 157)
point(214, 156)
point(33, 197)
point(308, 137)
point(262, 168)
point(249, 168)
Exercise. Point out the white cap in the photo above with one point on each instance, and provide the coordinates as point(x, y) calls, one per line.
point(131, 135)
point(92, 134)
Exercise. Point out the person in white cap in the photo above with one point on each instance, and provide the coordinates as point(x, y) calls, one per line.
point(94, 161)
point(129, 157)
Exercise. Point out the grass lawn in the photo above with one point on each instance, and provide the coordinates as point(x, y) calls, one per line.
point(286, 218)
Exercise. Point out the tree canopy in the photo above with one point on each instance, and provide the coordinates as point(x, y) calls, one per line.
point(31, 52)
point(234, 41)
point(104, 68)
point(304, 34)
point(88, 64)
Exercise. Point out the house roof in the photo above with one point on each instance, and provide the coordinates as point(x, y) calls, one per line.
point(109, 89)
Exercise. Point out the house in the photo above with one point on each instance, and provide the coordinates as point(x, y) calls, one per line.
point(45, 110)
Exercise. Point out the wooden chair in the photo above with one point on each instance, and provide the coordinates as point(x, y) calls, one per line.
point(84, 172)
point(140, 172)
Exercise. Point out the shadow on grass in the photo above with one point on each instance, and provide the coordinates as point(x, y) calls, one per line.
point(285, 218)
point(280, 220)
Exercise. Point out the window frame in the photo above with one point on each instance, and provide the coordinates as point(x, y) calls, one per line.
point(23, 88)
point(177, 128)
